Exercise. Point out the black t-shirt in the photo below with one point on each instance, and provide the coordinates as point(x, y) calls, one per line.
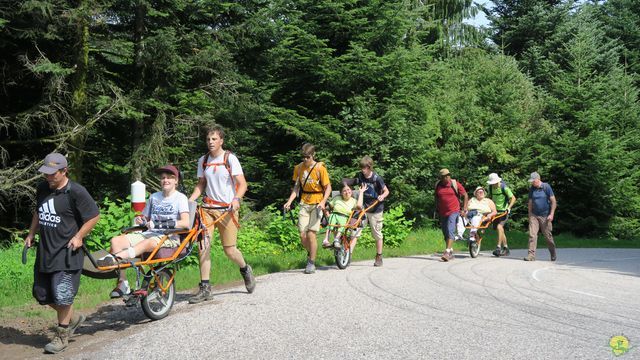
point(59, 223)
point(375, 185)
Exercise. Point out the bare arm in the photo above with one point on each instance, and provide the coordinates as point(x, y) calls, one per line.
point(360, 203)
point(33, 229)
point(292, 196)
point(553, 208)
point(385, 193)
point(197, 191)
point(183, 222)
point(465, 204)
point(327, 193)
point(76, 241)
point(511, 202)
point(242, 189)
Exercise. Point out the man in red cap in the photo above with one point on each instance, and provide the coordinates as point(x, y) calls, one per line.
point(65, 214)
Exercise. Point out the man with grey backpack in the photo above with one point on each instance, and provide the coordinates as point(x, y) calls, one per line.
point(542, 209)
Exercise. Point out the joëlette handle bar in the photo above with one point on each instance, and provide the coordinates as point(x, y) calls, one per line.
point(487, 223)
point(190, 233)
point(360, 216)
point(24, 253)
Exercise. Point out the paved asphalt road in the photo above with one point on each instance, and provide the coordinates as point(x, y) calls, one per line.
point(412, 308)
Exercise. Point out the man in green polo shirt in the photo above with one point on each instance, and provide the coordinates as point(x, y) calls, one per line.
point(502, 196)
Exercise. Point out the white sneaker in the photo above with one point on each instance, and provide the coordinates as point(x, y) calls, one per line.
point(121, 289)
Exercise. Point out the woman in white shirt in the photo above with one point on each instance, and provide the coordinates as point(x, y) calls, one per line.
point(166, 209)
point(480, 208)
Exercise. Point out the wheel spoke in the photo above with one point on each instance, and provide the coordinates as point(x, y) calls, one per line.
point(153, 295)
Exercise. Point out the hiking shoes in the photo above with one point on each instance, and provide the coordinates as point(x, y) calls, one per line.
point(76, 321)
point(249, 279)
point(497, 252)
point(447, 256)
point(325, 245)
point(203, 294)
point(311, 267)
point(378, 260)
point(60, 341)
point(505, 252)
point(530, 258)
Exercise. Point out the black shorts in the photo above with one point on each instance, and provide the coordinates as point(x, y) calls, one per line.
point(58, 287)
point(502, 220)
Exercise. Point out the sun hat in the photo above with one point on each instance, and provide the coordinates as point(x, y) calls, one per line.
point(477, 189)
point(493, 179)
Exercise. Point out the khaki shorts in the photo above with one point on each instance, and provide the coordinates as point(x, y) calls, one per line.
point(375, 224)
point(135, 238)
point(226, 227)
point(309, 218)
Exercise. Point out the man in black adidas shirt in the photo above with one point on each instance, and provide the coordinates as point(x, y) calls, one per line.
point(64, 215)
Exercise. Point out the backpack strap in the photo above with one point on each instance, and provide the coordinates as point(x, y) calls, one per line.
point(225, 162)
point(454, 186)
point(503, 188)
point(307, 179)
point(72, 203)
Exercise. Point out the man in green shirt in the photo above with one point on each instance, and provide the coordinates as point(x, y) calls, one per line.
point(503, 197)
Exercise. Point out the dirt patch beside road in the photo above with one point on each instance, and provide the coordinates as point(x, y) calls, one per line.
point(25, 338)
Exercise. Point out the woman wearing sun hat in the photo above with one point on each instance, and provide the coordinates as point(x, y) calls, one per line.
point(480, 208)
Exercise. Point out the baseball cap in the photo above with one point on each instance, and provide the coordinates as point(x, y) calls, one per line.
point(534, 176)
point(169, 169)
point(52, 163)
point(493, 179)
point(444, 172)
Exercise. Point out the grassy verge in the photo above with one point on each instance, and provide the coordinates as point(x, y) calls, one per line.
point(16, 279)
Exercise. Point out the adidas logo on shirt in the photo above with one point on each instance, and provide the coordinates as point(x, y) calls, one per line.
point(47, 214)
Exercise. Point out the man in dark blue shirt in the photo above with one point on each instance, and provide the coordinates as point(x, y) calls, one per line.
point(65, 214)
point(376, 190)
point(542, 209)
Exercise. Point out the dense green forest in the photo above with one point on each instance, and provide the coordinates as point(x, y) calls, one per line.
point(124, 86)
